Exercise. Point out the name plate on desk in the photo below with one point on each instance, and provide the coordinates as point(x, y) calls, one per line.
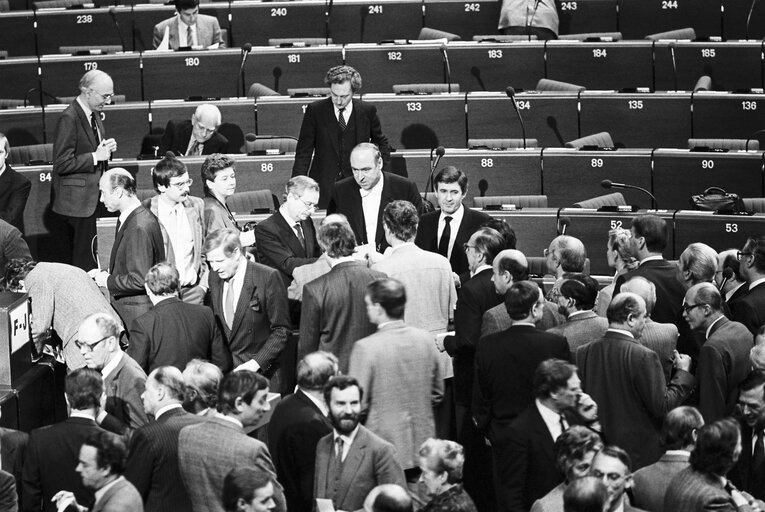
point(15, 336)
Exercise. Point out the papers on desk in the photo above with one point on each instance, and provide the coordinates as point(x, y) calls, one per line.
point(324, 505)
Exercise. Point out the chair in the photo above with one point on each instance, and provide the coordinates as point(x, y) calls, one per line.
point(3, 53)
point(260, 143)
point(502, 38)
point(501, 143)
point(118, 98)
point(754, 204)
point(704, 83)
point(86, 50)
point(613, 199)
point(235, 137)
point(733, 144)
point(145, 193)
point(301, 92)
point(299, 41)
point(10, 103)
point(257, 90)
point(601, 36)
point(54, 4)
point(531, 201)
point(22, 155)
point(431, 197)
point(432, 33)
point(601, 140)
point(5, 6)
point(673, 35)
point(246, 202)
point(424, 88)
point(547, 85)
point(537, 266)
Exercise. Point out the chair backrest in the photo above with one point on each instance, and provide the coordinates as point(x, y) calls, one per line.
point(257, 90)
point(601, 140)
point(245, 202)
point(424, 88)
point(547, 85)
point(282, 143)
point(538, 266)
point(3, 53)
point(299, 41)
point(530, 201)
point(603, 36)
point(308, 91)
point(613, 199)
point(5, 6)
point(432, 33)
point(501, 143)
point(681, 33)
point(21, 155)
point(145, 193)
point(104, 48)
point(740, 144)
point(704, 83)
point(502, 38)
point(233, 132)
point(754, 204)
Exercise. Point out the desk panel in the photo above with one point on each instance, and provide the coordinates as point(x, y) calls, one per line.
point(493, 66)
point(39, 220)
point(570, 175)
point(371, 22)
point(280, 115)
point(735, 13)
point(638, 120)
point(256, 22)
point(534, 227)
point(463, 18)
point(601, 65)
point(146, 16)
point(422, 122)
point(24, 126)
point(583, 16)
point(82, 27)
point(285, 68)
point(679, 174)
point(18, 32)
point(727, 115)
point(24, 73)
point(178, 75)
point(62, 73)
point(551, 118)
point(720, 232)
point(383, 66)
point(638, 18)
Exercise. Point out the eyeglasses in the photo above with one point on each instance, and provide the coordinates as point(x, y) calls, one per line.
point(106, 97)
point(89, 347)
point(741, 254)
point(308, 206)
point(182, 184)
point(689, 307)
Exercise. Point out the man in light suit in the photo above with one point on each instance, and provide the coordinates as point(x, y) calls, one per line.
point(189, 28)
point(14, 189)
point(250, 304)
point(194, 137)
point(307, 273)
point(137, 246)
point(351, 461)
point(152, 463)
point(399, 366)
point(332, 127)
point(576, 300)
point(678, 437)
point(750, 308)
point(209, 450)
point(80, 154)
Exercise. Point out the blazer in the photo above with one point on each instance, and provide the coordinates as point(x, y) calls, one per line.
point(173, 333)
point(496, 319)
point(662, 339)
point(370, 462)
point(123, 388)
point(318, 153)
point(218, 216)
point(178, 134)
point(552, 501)
point(12, 244)
point(207, 452)
point(9, 498)
point(306, 273)
point(152, 464)
point(14, 191)
point(261, 318)
point(334, 314)
point(581, 329)
point(346, 199)
point(427, 235)
point(208, 33)
point(691, 491)
point(13, 445)
point(279, 247)
point(75, 179)
point(627, 382)
point(398, 366)
point(650, 484)
point(747, 477)
point(505, 363)
point(51, 457)
point(669, 291)
point(294, 430)
point(723, 364)
point(120, 497)
point(750, 308)
point(515, 13)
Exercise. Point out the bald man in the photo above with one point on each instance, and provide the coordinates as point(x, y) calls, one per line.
point(565, 255)
point(195, 137)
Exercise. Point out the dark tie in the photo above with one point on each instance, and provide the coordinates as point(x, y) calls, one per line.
point(443, 244)
point(759, 451)
point(300, 236)
point(119, 224)
point(194, 151)
point(189, 36)
point(339, 451)
point(94, 125)
point(563, 424)
point(341, 119)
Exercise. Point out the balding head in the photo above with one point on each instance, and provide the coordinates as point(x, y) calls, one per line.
point(96, 89)
point(697, 264)
point(702, 306)
point(643, 287)
point(509, 266)
point(627, 312)
point(388, 498)
point(315, 369)
point(205, 121)
point(566, 254)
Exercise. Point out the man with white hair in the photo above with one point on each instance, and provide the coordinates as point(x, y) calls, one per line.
point(196, 136)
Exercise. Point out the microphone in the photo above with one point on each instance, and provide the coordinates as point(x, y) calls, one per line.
point(476, 72)
point(277, 72)
point(327, 15)
point(113, 14)
point(751, 137)
point(674, 62)
point(447, 67)
point(511, 94)
point(727, 274)
point(362, 28)
point(748, 19)
point(42, 93)
point(553, 124)
point(530, 22)
point(563, 223)
point(246, 47)
point(612, 184)
point(440, 151)
point(483, 186)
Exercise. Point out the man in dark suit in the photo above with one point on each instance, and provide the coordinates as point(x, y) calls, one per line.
point(80, 154)
point(332, 127)
point(446, 231)
point(749, 473)
point(296, 425)
point(194, 137)
point(188, 28)
point(137, 246)
point(14, 189)
point(576, 299)
point(174, 332)
point(250, 304)
point(13, 446)
point(334, 314)
point(287, 239)
point(750, 308)
point(363, 197)
point(627, 382)
point(53, 451)
point(152, 464)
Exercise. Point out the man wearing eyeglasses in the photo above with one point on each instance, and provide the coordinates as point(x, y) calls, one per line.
point(81, 151)
point(750, 308)
point(195, 137)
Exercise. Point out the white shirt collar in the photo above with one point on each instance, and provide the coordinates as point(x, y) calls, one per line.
point(551, 419)
point(651, 258)
point(755, 283)
point(530, 324)
point(290, 221)
point(346, 112)
point(456, 216)
point(479, 270)
point(85, 108)
point(318, 403)
point(376, 190)
point(100, 493)
point(5, 166)
point(678, 452)
point(111, 365)
point(399, 246)
point(732, 291)
point(347, 440)
point(166, 408)
point(231, 419)
point(575, 313)
point(81, 414)
point(341, 259)
point(621, 331)
point(706, 336)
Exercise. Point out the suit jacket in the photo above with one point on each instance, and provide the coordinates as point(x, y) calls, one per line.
point(13, 445)
point(496, 319)
point(9, 498)
point(173, 333)
point(218, 216)
point(398, 366)
point(427, 235)
point(334, 314)
point(505, 364)
point(346, 199)
point(750, 308)
point(669, 291)
point(318, 152)
point(307, 273)
point(123, 388)
point(279, 247)
point(178, 134)
point(51, 457)
point(371, 461)
point(652, 482)
point(627, 382)
point(207, 452)
point(477, 296)
point(261, 317)
point(12, 244)
point(662, 339)
point(552, 501)
point(747, 477)
point(723, 364)
point(208, 33)
point(75, 179)
point(581, 329)
point(121, 497)
point(14, 191)
point(691, 491)
point(152, 464)
point(295, 428)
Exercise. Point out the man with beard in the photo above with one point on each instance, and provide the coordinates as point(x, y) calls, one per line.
point(351, 461)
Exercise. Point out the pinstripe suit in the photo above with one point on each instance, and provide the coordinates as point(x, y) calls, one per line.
point(662, 339)
point(581, 329)
point(652, 482)
point(691, 491)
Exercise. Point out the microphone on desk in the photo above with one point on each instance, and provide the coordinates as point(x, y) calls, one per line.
point(363, 13)
point(327, 15)
point(476, 72)
point(674, 62)
point(749, 19)
point(612, 184)
point(277, 72)
point(511, 94)
point(751, 137)
point(530, 22)
point(727, 274)
point(42, 92)
point(447, 67)
point(246, 48)
point(563, 223)
point(440, 151)
point(113, 14)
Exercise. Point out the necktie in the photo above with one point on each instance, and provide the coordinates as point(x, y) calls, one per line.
point(341, 119)
point(119, 224)
point(563, 424)
point(443, 244)
point(94, 125)
point(339, 451)
point(189, 36)
point(228, 305)
point(759, 451)
point(194, 151)
point(300, 236)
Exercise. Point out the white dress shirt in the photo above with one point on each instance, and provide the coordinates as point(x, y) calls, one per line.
point(370, 204)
